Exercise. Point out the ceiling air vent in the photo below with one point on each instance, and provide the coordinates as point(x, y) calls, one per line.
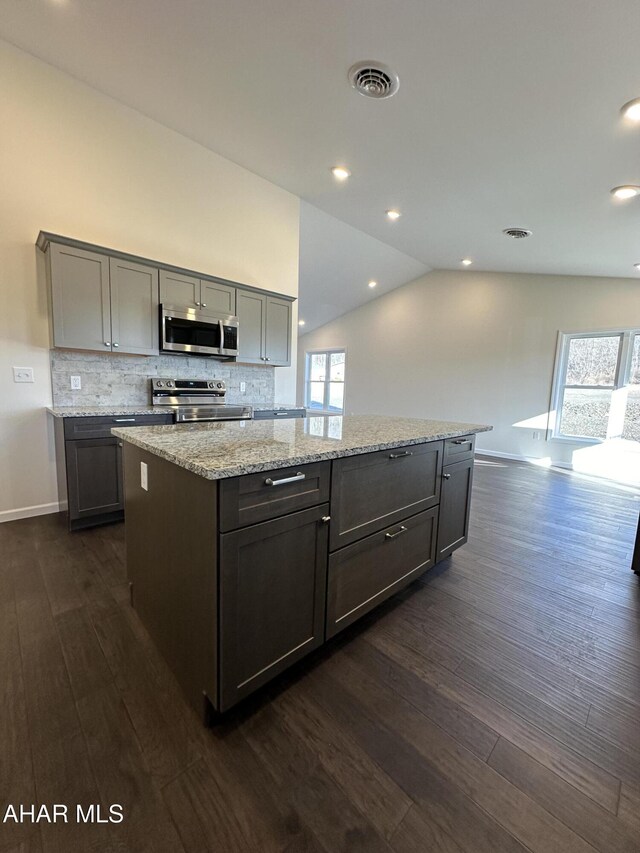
point(517, 233)
point(373, 79)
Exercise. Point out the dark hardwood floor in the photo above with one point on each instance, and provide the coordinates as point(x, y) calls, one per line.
point(493, 706)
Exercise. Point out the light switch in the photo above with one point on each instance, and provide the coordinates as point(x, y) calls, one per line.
point(76, 383)
point(23, 374)
point(144, 477)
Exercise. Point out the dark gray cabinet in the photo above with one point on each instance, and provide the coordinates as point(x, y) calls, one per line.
point(94, 476)
point(372, 491)
point(277, 414)
point(89, 465)
point(265, 329)
point(272, 599)
point(178, 289)
point(366, 573)
point(455, 500)
point(102, 303)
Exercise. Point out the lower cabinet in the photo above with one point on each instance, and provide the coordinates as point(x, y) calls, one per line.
point(94, 472)
point(455, 499)
point(364, 574)
point(272, 599)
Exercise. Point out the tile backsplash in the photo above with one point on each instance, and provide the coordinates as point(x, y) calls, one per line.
point(123, 380)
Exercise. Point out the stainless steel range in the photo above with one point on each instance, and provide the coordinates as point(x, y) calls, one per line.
point(197, 400)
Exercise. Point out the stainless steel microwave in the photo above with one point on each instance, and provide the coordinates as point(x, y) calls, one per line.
point(191, 330)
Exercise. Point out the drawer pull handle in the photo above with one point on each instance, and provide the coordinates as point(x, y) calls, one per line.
point(295, 478)
point(281, 414)
point(125, 420)
point(402, 530)
point(400, 455)
point(461, 441)
point(446, 476)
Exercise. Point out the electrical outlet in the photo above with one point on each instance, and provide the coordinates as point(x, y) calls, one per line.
point(536, 434)
point(243, 387)
point(23, 374)
point(76, 383)
point(144, 476)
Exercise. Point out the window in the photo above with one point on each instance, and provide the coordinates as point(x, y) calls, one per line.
point(324, 381)
point(597, 386)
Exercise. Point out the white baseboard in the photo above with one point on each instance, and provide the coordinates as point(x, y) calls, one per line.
point(29, 511)
point(533, 460)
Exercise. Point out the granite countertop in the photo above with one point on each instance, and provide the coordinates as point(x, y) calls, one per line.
point(92, 411)
point(232, 448)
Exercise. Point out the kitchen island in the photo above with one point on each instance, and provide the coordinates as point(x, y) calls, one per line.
point(250, 544)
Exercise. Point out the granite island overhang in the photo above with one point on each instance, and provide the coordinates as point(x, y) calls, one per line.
point(249, 544)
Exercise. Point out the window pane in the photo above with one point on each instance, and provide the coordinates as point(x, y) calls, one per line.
point(318, 367)
point(592, 361)
point(585, 413)
point(337, 367)
point(336, 396)
point(315, 395)
point(634, 376)
point(631, 428)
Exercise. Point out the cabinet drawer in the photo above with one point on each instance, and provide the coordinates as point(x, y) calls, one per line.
point(374, 490)
point(100, 426)
point(366, 573)
point(457, 449)
point(269, 494)
point(274, 414)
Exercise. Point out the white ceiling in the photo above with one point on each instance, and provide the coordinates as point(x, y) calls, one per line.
point(336, 264)
point(507, 113)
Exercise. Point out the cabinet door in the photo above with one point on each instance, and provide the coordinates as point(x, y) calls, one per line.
point(80, 298)
point(134, 307)
point(94, 477)
point(366, 573)
point(217, 297)
point(272, 599)
point(278, 331)
point(179, 290)
point(371, 491)
point(251, 317)
point(455, 501)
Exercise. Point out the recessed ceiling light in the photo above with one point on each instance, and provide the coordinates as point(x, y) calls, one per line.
point(631, 110)
point(372, 283)
point(393, 214)
point(637, 266)
point(301, 322)
point(340, 173)
point(466, 262)
point(625, 192)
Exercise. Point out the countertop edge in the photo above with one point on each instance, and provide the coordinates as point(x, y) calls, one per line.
point(129, 435)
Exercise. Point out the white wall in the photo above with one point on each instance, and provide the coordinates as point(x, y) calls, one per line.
point(75, 162)
point(474, 347)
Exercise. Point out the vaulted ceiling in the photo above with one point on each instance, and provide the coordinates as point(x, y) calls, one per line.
point(507, 115)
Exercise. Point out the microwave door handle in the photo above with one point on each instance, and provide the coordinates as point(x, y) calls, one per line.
point(221, 334)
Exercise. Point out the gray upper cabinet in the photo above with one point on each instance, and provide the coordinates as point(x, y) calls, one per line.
point(134, 307)
point(177, 289)
point(217, 297)
point(102, 303)
point(183, 290)
point(278, 331)
point(80, 297)
point(265, 329)
point(251, 318)
point(106, 300)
